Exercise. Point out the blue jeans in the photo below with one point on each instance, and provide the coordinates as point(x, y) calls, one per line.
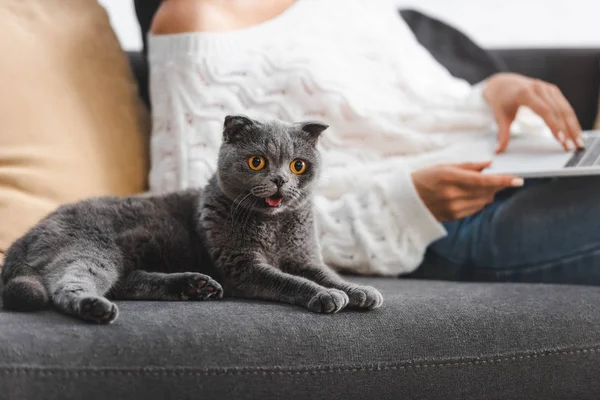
point(547, 232)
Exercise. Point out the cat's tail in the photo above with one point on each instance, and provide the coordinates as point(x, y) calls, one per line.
point(24, 288)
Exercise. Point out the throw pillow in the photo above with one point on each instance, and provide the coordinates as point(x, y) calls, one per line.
point(452, 48)
point(71, 123)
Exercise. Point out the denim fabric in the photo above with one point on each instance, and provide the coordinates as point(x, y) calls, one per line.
point(548, 232)
point(430, 340)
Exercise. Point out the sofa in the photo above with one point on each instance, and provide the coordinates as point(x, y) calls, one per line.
point(430, 340)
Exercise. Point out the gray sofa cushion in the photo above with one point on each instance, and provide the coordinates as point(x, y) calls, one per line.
point(430, 340)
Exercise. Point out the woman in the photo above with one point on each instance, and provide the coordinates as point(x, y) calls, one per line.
point(402, 190)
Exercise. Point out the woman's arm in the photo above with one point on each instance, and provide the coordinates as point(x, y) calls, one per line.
point(380, 226)
point(382, 222)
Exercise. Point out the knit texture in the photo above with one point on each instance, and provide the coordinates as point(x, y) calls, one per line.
point(350, 63)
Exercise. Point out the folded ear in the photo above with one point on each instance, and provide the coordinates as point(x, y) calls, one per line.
point(235, 126)
point(313, 130)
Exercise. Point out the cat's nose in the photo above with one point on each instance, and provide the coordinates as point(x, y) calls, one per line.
point(278, 180)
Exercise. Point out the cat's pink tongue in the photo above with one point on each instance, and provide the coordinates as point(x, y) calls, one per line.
point(273, 202)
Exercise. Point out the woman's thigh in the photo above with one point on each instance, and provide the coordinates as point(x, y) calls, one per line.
point(545, 232)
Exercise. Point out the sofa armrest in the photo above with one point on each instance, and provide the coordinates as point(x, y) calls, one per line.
point(575, 71)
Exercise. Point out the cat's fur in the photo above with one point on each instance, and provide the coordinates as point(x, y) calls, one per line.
point(178, 246)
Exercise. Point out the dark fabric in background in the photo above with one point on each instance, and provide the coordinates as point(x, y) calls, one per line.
point(145, 10)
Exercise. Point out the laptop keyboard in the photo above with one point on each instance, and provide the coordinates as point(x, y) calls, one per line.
point(587, 157)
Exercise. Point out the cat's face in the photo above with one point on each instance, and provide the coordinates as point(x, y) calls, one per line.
point(268, 166)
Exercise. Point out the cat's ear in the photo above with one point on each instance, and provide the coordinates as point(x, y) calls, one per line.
point(236, 126)
point(313, 130)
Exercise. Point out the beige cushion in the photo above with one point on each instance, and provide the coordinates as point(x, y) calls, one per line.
point(71, 123)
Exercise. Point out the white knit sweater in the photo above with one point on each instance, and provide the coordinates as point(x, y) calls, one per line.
point(353, 64)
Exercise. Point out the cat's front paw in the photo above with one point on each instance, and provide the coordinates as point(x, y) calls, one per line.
point(97, 309)
point(364, 297)
point(328, 301)
point(196, 286)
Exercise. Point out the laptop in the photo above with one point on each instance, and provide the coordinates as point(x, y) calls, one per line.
point(542, 156)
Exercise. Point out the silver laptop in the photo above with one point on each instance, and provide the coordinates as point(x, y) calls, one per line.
point(531, 156)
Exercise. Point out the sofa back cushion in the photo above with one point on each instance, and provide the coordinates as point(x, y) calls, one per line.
point(71, 123)
point(597, 123)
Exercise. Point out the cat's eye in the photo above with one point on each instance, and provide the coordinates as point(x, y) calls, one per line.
point(298, 166)
point(256, 163)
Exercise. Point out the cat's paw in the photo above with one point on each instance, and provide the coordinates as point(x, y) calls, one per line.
point(364, 297)
point(98, 309)
point(328, 301)
point(196, 286)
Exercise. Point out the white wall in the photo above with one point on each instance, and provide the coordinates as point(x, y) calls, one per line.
point(519, 23)
point(124, 22)
point(492, 23)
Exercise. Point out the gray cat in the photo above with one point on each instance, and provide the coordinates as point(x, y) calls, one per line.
point(251, 229)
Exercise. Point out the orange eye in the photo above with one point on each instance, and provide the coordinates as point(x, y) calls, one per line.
point(256, 163)
point(298, 166)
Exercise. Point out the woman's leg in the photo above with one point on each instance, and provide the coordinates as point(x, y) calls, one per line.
point(546, 232)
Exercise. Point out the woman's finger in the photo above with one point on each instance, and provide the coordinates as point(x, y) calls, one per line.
point(540, 106)
point(474, 193)
point(474, 166)
point(546, 93)
point(567, 115)
point(472, 211)
point(474, 181)
point(466, 208)
point(504, 122)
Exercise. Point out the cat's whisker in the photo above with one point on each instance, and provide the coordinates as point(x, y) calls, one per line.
point(239, 203)
point(235, 200)
point(245, 211)
point(311, 202)
point(317, 208)
point(245, 217)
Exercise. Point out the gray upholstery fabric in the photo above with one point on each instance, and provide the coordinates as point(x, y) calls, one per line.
point(430, 340)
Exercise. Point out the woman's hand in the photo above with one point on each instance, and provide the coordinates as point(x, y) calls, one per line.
point(506, 92)
point(452, 192)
